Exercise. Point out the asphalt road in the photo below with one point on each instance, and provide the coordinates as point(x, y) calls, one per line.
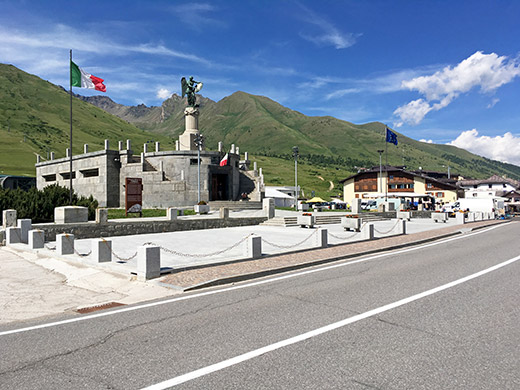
point(359, 324)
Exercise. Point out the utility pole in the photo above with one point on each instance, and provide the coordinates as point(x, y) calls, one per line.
point(295, 151)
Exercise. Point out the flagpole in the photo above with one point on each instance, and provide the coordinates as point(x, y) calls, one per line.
point(386, 167)
point(70, 150)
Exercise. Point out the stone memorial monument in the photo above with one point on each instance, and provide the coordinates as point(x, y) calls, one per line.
point(191, 114)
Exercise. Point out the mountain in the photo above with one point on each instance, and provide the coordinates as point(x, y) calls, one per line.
point(263, 127)
point(35, 119)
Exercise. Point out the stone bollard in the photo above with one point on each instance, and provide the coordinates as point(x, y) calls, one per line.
point(355, 205)
point(253, 247)
point(367, 231)
point(70, 214)
point(268, 206)
point(402, 226)
point(460, 218)
point(224, 213)
point(64, 244)
point(8, 218)
point(101, 250)
point(171, 214)
point(101, 215)
point(322, 238)
point(13, 235)
point(471, 217)
point(148, 262)
point(25, 225)
point(36, 239)
point(107, 145)
point(157, 147)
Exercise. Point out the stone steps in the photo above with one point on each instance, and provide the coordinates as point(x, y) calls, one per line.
point(235, 205)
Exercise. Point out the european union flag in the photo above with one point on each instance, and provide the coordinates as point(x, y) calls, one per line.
point(391, 137)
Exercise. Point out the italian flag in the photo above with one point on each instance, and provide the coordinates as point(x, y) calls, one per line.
point(224, 161)
point(82, 79)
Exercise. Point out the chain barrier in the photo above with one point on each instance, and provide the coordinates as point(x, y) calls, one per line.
point(199, 255)
point(388, 231)
point(125, 259)
point(75, 250)
point(289, 246)
point(50, 247)
point(349, 236)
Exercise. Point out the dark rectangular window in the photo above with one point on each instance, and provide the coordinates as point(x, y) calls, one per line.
point(90, 172)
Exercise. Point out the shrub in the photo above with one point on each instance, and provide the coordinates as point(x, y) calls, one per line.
point(39, 205)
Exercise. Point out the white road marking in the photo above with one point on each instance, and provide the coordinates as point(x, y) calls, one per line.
point(316, 332)
point(227, 289)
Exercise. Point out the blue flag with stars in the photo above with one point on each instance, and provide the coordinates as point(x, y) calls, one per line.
point(391, 137)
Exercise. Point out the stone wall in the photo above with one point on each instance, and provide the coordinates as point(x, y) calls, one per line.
point(95, 230)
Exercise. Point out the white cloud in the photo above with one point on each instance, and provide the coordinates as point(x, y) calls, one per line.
point(493, 102)
point(163, 93)
point(485, 71)
point(429, 141)
point(327, 34)
point(505, 148)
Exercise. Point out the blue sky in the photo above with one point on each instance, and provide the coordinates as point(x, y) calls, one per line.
point(438, 71)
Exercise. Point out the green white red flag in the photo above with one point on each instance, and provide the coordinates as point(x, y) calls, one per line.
point(82, 79)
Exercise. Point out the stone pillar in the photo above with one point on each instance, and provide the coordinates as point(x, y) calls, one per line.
point(148, 262)
point(67, 152)
point(101, 215)
point(255, 167)
point(177, 145)
point(70, 214)
point(253, 247)
point(356, 205)
point(120, 145)
point(85, 148)
point(52, 156)
point(367, 231)
point(220, 146)
point(8, 218)
point(38, 159)
point(145, 148)
point(171, 214)
point(246, 156)
point(128, 145)
point(322, 238)
point(13, 235)
point(101, 250)
point(224, 213)
point(157, 147)
point(237, 151)
point(191, 119)
point(461, 220)
point(64, 244)
point(268, 207)
point(36, 239)
point(232, 151)
point(25, 225)
point(142, 158)
point(402, 226)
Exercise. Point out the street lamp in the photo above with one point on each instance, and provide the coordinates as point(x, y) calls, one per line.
point(295, 152)
point(199, 141)
point(449, 176)
point(380, 171)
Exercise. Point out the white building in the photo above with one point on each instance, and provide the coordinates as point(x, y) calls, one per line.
point(495, 186)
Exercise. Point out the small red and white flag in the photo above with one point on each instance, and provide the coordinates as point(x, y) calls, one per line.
point(224, 160)
point(82, 79)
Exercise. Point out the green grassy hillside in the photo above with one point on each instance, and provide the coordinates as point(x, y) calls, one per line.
point(35, 119)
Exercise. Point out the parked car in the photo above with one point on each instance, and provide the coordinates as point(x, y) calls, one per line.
point(368, 205)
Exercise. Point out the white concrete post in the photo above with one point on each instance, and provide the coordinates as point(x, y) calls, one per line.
point(52, 156)
point(25, 225)
point(237, 150)
point(8, 218)
point(356, 205)
point(246, 156)
point(145, 148)
point(157, 147)
point(142, 158)
point(268, 207)
point(220, 146)
point(177, 145)
point(67, 152)
point(367, 231)
point(232, 151)
point(148, 262)
point(460, 218)
point(101, 250)
point(101, 215)
point(322, 238)
point(402, 226)
point(255, 167)
point(120, 145)
point(253, 247)
point(38, 159)
point(128, 144)
point(13, 235)
point(106, 145)
point(85, 148)
point(171, 214)
point(224, 213)
point(64, 244)
point(36, 239)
